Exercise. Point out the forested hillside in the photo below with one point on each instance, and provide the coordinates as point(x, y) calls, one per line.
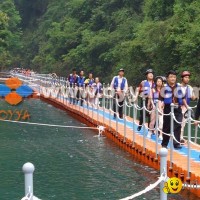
point(101, 36)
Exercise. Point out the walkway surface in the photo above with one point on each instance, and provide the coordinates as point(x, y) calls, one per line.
point(116, 130)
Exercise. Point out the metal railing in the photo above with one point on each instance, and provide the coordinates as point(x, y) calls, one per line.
point(60, 88)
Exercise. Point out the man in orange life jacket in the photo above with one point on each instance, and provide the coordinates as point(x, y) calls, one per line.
point(120, 85)
point(171, 94)
point(72, 82)
point(145, 90)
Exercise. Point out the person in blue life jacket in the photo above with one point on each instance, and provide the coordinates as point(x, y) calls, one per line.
point(171, 93)
point(81, 86)
point(189, 95)
point(145, 90)
point(72, 79)
point(120, 85)
point(156, 96)
point(97, 87)
point(89, 81)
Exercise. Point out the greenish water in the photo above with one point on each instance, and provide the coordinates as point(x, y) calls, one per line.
point(70, 163)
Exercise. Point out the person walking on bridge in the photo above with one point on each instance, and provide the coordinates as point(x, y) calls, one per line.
point(72, 80)
point(119, 85)
point(145, 91)
point(97, 86)
point(89, 81)
point(156, 96)
point(81, 87)
point(88, 85)
point(189, 95)
point(172, 93)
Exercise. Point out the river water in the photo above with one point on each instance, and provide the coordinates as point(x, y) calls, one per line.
point(70, 163)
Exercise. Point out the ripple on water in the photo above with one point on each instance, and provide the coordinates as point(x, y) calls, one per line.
point(70, 163)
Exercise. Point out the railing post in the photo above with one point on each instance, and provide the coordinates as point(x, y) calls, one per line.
point(134, 122)
point(163, 168)
point(107, 100)
point(144, 119)
point(28, 169)
point(189, 139)
point(196, 133)
point(98, 113)
point(88, 107)
point(129, 111)
point(110, 107)
point(116, 112)
point(156, 129)
point(124, 120)
point(103, 103)
point(171, 134)
point(79, 99)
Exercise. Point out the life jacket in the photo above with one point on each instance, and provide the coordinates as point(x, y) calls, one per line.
point(168, 96)
point(122, 84)
point(89, 82)
point(72, 79)
point(156, 95)
point(97, 87)
point(146, 88)
point(187, 95)
point(81, 81)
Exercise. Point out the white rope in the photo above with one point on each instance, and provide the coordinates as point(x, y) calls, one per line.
point(179, 142)
point(150, 129)
point(137, 107)
point(192, 107)
point(149, 111)
point(185, 136)
point(197, 145)
point(129, 106)
point(161, 112)
point(117, 102)
point(176, 119)
point(195, 120)
point(193, 186)
point(100, 128)
point(168, 134)
point(163, 177)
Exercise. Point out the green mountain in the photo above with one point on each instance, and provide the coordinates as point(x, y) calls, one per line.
point(101, 36)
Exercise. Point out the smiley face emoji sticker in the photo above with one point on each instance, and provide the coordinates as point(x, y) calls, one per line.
point(173, 185)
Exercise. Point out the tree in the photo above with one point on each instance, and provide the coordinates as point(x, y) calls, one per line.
point(10, 33)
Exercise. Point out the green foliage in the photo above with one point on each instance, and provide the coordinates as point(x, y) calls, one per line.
point(10, 33)
point(101, 36)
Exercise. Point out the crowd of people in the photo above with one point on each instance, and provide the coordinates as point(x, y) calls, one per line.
point(159, 90)
point(153, 91)
point(162, 91)
point(93, 85)
point(26, 72)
